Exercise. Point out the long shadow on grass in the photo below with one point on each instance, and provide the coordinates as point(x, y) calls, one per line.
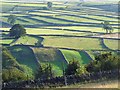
point(79, 16)
point(77, 36)
point(22, 20)
point(76, 14)
point(74, 30)
point(104, 45)
point(85, 57)
point(107, 7)
point(66, 20)
point(39, 21)
point(25, 56)
point(18, 18)
point(60, 19)
point(4, 24)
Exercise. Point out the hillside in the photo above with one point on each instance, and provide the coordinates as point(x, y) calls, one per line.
point(52, 56)
point(25, 56)
point(57, 35)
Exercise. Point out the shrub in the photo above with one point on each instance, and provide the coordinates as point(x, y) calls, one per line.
point(17, 31)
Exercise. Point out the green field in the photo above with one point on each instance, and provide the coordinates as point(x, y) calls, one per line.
point(6, 41)
point(112, 44)
point(29, 59)
point(72, 42)
point(59, 29)
point(52, 56)
point(76, 55)
point(28, 40)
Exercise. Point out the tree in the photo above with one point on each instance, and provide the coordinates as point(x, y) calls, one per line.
point(39, 73)
point(48, 71)
point(13, 74)
point(17, 31)
point(45, 71)
point(72, 68)
point(104, 62)
point(106, 26)
point(12, 19)
point(49, 5)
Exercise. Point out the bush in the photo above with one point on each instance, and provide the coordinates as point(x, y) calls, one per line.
point(45, 71)
point(13, 74)
point(104, 62)
point(17, 31)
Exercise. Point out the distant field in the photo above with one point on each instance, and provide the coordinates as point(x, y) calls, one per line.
point(70, 42)
point(45, 31)
point(83, 28)
point(112, 44)
point(28, 40)
point(6, 41)
point(31, 14)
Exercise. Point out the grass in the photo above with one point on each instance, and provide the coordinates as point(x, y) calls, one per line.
point(6, 41)
point(77, 19)
point(29, 59)
point(102, 18)
point(27, 40)
point(57, 58)
point(111, 84)
point(34, 5)
point(52, 56)
point(38, 31)
point(18, 21)
point(50, 20)
point(75, 55)
point(83, 28)
point(42, 13)
point(70, 42)
point(30, 20)
point(91, 54)
point(112, 44)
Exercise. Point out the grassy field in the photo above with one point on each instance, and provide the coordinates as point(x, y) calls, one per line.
point(112, 44)
point(6, 41)
point(75, 55)
point(84, 28)
point(48, 31)
point(52, 56)
point(29, 59)
point(62, 20)
point(72, 42)
point(28, 40)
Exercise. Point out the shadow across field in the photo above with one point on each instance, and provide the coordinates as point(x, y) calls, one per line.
point(25, 56)
point(77, 36)
point(106, 7)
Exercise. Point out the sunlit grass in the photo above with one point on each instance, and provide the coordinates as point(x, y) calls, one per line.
point(70, 42)
point(112, 44)
point(71, 55)
point(6, 41)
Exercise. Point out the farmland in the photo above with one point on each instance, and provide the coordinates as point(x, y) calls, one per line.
point(59, 35)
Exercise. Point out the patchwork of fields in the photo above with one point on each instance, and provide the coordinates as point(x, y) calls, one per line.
point(65, 33)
